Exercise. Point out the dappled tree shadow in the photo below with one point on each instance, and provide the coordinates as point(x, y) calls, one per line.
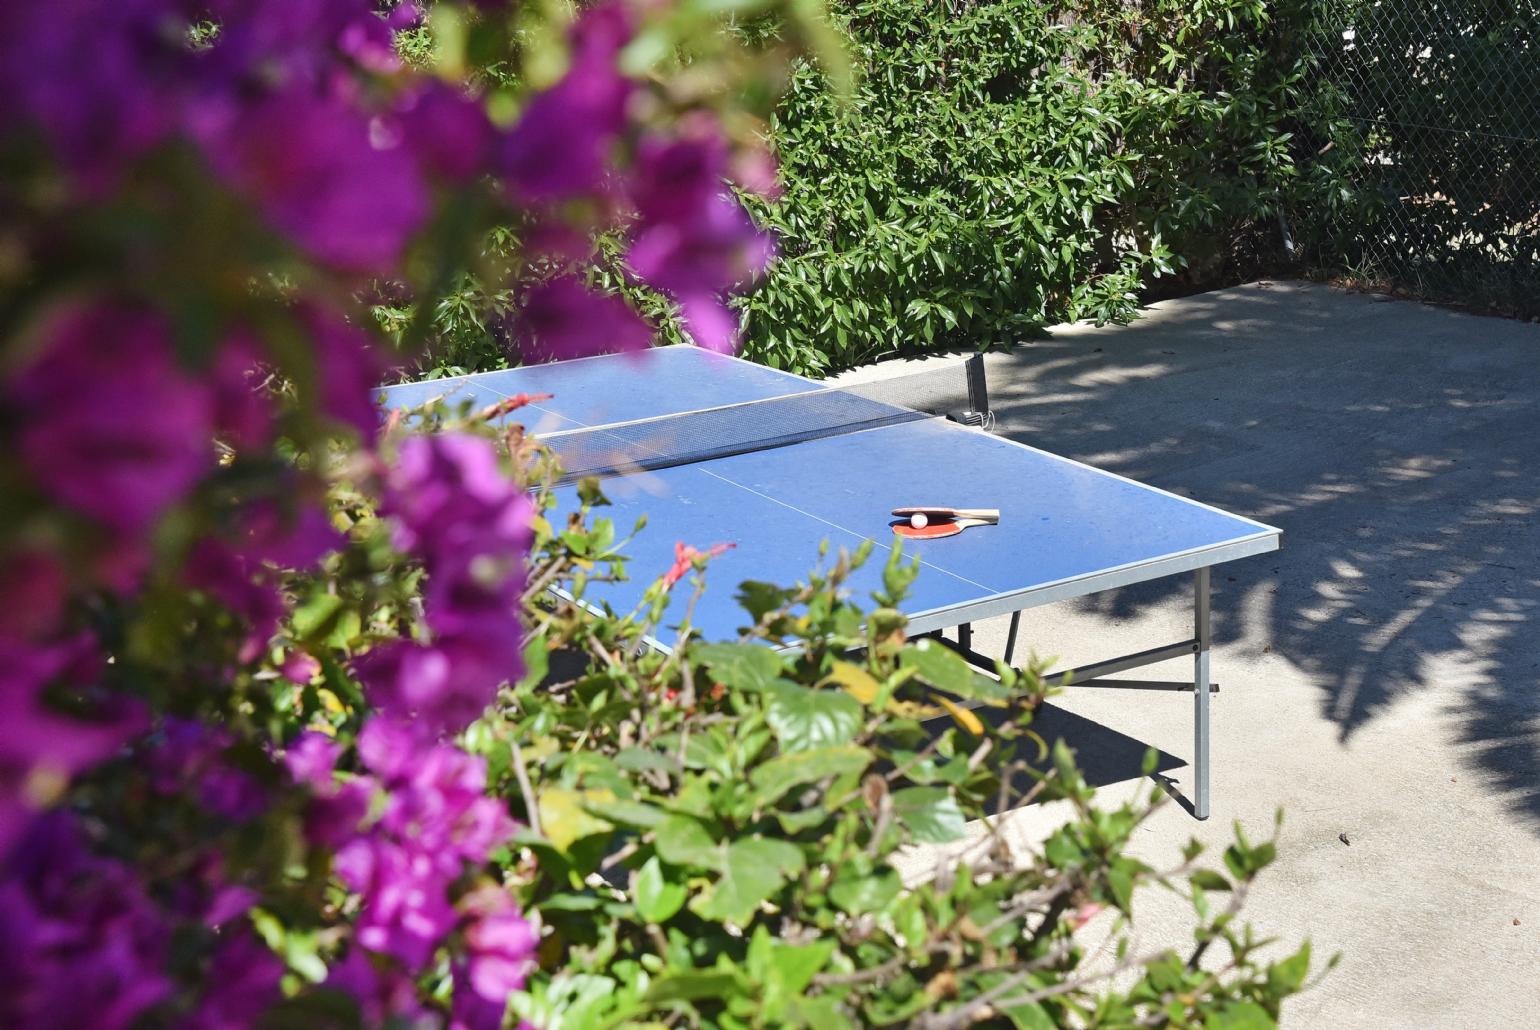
point(1394, 444)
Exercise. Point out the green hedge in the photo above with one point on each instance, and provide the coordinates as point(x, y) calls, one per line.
point(1007, 164)
point(1002, 165)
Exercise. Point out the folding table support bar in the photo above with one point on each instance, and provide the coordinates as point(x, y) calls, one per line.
point(1093, 675)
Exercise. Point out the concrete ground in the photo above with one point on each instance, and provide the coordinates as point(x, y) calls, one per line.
point(1379, 672)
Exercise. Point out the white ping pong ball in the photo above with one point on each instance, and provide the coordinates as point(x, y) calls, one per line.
point(918, 520)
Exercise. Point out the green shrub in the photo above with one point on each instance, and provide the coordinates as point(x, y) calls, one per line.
point(1007, 164)
point(1004, 165)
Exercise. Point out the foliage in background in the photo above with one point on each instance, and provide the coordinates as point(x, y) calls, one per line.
point(1446, 149)
point(1008, 164)
point(1004, 165)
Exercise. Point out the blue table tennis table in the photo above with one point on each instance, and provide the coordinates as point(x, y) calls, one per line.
point(1066, 529)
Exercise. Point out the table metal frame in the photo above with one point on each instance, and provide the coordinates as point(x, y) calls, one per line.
point(1202, 686)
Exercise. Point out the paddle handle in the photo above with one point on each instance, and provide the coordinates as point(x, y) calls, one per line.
point(988, 515)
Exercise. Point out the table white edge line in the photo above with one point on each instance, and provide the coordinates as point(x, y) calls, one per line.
point(466, 377)
point(1122, 478)
point(435, 398)
point(1221, 551)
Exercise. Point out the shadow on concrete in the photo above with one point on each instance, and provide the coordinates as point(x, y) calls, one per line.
point(1395, 445)
point(1103, 755)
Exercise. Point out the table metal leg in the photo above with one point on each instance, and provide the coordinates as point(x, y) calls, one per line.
point(1010, 638)
point(1097, 675)
point(1200, 681)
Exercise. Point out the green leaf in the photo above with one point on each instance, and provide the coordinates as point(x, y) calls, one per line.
point(693, 986)
point(740, 666)
point(630, 813)
point(1288, 976)
point(804, 719)
point(537, 660)
point(860, 683)
point(637, 759)
point(759, 599)
point(564, 815)
point(779, 775)
point(795, 965)
point(315, 616)
point(931, 814)
point(1240, 1015)
point(752, 870)
point(684, 841)
point(858, 895)
point(1209, 880)
point(1121, 882)
point(941, 667)
point(656, 899)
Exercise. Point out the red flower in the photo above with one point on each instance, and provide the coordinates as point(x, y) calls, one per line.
point(684, 560)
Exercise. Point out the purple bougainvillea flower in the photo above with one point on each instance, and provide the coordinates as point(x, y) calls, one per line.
point(564, 319)
point(675, 176)
point(36, 589)
point(83, 945)
point(332, 187)
point(39, 745)
point(387, 748)
point(417, 681)
point(243, 982)
point(754, 171)
point(299, 667)
point(301, 41)
point(438, 802)
point(436, 819)
point(693, 239)
point(218, 570)
point(709, 321)
point(296, 538)
point(696, 262)
point(561, 145)
point(337, 809)
point(186, 756)
point(500, 944)
point(109, 425)
point(312, 759)
point(448, 132)
point(236, 572)
point(227, 902)
point(444, 686)
point(348, 368)
point(448, 493)
point(102, 113)
point(454, 507)
point(406, 911)
point(716, 247)
point(386, 996)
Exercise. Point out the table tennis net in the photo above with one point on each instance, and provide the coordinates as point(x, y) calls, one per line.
point(707, 434)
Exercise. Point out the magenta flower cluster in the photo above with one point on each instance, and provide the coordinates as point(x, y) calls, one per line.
point(405, 832)
point(311, 150)
point(453, 506)
point(84, 945)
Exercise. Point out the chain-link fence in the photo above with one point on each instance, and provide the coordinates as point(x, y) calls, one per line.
point(1444, 100)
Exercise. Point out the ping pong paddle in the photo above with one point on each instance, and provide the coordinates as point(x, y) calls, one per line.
point(986, 516)
point(937, 530)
